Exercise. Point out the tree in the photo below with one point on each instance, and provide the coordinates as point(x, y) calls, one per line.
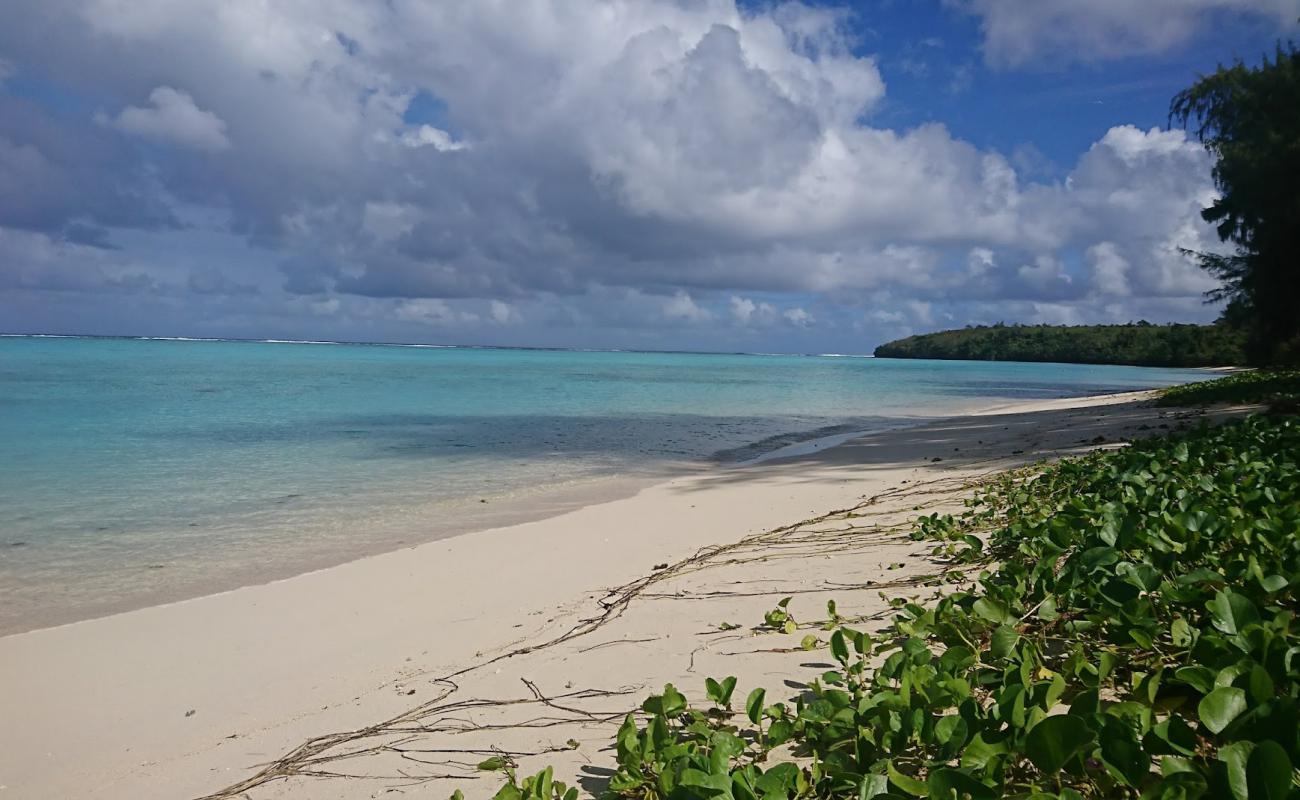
point(1249, 119)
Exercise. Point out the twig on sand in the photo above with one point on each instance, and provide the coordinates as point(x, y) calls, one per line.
point(442, 716)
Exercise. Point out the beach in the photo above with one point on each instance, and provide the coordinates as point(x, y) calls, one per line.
point(560, 625)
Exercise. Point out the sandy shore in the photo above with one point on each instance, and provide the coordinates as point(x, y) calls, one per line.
point(189, 699)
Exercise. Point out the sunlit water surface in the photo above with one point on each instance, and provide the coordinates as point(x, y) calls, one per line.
point(139, 471)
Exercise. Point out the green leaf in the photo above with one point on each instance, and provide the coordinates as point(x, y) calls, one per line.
point(1121, 753)
point(754, 705)
point(728, 686)
point(906, 782)
point(508, 792)
point(1056, 740)
point(542, 784)
point(951, 784)
point(1220, 707)
point(706, 784)
point(1176, 735)
point(1178, 786)
point(1004, 641)
point(780, 780)
point(493, 764)
point(979, 753)
point(809, 642)
point(1260, 684)
point(956, 658)
point(1199, 678)
point(1105, 665)
point(1234, 757)
point(993, 611)
point(1268, 772)
point(781, 732)
point(873, 786)
point(1273, 583)
point(669, 704)
point(1231, 612)
point(727, 744)
point(948, 727)
point(839, 648)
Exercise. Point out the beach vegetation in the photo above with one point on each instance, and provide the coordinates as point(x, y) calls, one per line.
point(1249, 119)
point(1137, 344)
point(1126, 629)
point(1279, 388)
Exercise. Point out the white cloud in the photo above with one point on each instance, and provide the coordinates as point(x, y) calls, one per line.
point(798, 317)
point(429, 136)
point(883, 316)
point(1109, 269)
point(503, 313)
point(922, 313)
point(1054, 314)
point(747, 312)
point(627, 165)
point(172, 116)
point(1016, 32)
point(682, 308)
point(980, 262)
point(1045, 272)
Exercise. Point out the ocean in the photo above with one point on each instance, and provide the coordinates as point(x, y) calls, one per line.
point(137, 471)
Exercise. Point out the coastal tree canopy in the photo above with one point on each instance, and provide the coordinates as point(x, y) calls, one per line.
point(1140, 344)
point(1249, 119)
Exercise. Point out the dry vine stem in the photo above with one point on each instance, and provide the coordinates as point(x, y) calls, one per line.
point(319, 756)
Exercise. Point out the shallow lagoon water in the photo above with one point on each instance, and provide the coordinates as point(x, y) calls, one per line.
point(140, 471)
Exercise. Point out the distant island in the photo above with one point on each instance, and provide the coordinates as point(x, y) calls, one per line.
point(1137, 344)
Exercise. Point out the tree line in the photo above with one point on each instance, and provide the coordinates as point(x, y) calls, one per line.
point(1138, 344)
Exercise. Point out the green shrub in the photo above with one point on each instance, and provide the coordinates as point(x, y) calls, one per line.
point(1261, 386)
point(1137, 639)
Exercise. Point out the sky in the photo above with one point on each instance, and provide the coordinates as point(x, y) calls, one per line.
point(652, 174)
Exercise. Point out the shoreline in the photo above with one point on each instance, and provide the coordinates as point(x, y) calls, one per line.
point(514, 507)
point(512, 510)
point(182, 699)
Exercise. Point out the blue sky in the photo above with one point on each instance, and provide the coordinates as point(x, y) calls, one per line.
point(798, 177)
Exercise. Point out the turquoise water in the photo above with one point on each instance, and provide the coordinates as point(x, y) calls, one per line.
point(137, 471)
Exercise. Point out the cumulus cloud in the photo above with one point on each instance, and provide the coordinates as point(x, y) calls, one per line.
point(680, 307)
point(631, 166)
point(503, 313)
point(747, 312)
point(1017, 32)
point(172, 116)
point(429, 136)
point(1109, 269)
point(798, 317)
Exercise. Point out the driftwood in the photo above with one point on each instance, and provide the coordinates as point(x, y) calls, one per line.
point(412, 734)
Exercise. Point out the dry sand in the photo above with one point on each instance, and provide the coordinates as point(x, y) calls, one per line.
point(188, 699)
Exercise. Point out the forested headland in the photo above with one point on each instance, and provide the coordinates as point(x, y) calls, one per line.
point(1139, 344)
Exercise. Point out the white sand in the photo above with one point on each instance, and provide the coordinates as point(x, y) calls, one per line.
point(186, 699)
